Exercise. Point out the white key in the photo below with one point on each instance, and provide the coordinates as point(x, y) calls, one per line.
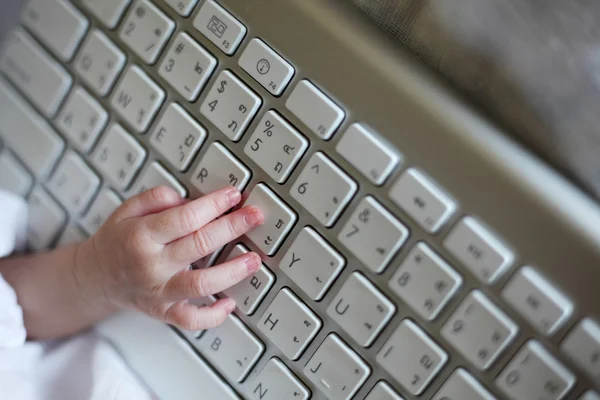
point(43, 81)
point(480, 250)
point(231, 348)
point(109, 12)
point(146, 30)
point(119, 156)
point(462, 386)
point(99, 62)
point(178, 137)
point(81, 119)
point(267, 67)
point(383, 391)
point(289, 324)
point(590, 395)
point(323, 189)
point(368, 153)
point(230, 105)
point(73, 183)
point(411, 357)
point(315, 110)
point(277, 382)
point(71, 235)
point(156, 175)
point(279, 219)
point(276, 146)
point(534, 373)
point(425, 282)
point(27, 133)
point(219, 169)
point(137, 98)
point(373, 234)
point(537, 300)
point(479, 330)
point(582, 345)
point(250, 292)
point(423, 200)
point(361, 309)
point(57, 24)
point(45, 219)
point(312, 263)
point(220, 27)
point(183, 7)
point(336, 369)
point(105, 204)
point(13, 175)
point(187, 66)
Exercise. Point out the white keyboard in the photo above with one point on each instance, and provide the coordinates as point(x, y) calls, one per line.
point(410, 249)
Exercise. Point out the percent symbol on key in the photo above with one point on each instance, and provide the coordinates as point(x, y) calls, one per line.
point(269, 128)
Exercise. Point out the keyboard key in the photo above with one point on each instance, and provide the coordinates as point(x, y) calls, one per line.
point(14, 177)
point(230, 105)
point(411, 357)
point(71, 235)
point(74, 184)
point(582, 345)
point(266, 66)
point(250, 292)
point(219, 169)
point(156, 175)
point(373, 235)
point(137, 99)
point(220, 27)
point(425, 282)
point(45, 219)
point(178, 137)
point(479, 330)
point(383, 391)
point(81, 119)
point(289, 324)
point(99, 63)
point(119, 156)
point(279, 219)
point(146, 30)
point(231, 348)
point(315, 110)
point(336, 369)
point(368, 153)
point(187, 67)
point(277, 382)
point(534, 373)
point(183, 7)
point(43, 81)
point(590, 395)
point(462, 386)
point(20, 126)
point(276, 146)
point(537, 300)
point(478, 249)
point(109, 12)
point(423, 200)
point(57, 24)
point(361, 309)
point(323, 189)
point(105, 204)
point(312, 263)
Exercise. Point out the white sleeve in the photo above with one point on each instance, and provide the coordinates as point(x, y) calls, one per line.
point(13, 223)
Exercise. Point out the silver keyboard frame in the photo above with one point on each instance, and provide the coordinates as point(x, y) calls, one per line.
point(546, 220)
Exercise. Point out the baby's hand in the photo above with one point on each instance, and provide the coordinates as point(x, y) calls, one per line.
point(139, 259)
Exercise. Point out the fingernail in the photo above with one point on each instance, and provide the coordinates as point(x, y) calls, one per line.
point(253, 217)
point(234, 196)
point(252, 262)
point(230, 307)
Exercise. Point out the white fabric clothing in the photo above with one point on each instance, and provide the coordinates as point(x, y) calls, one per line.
point(83, 367)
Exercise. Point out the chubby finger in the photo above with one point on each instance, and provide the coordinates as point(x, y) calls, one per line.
point(198, 283)
point(151, 201)
point(181, 221)
point(218, 233)
point(193, 318)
